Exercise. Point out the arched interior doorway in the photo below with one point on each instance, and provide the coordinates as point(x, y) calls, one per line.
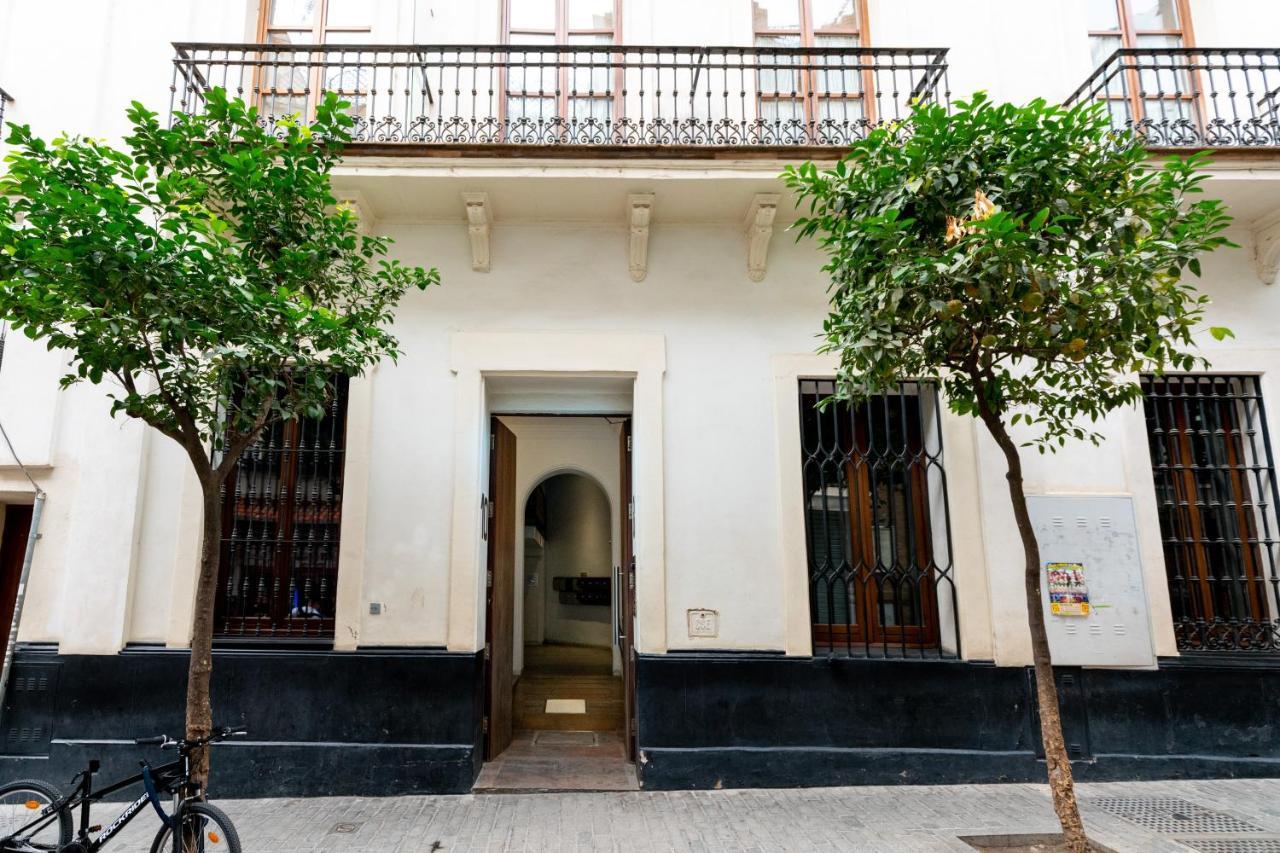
point(568, 681)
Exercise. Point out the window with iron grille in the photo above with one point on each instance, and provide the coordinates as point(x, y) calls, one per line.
point(281, 514)
point(1216, 491)
point(877, 527)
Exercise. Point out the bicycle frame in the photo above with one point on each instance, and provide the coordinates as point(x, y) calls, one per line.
point(84, 796)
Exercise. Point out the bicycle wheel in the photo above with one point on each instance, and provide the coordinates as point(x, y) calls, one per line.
point(205, 829)
point(20, 821)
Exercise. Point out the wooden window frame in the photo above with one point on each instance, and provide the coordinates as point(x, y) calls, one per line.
point(1185, 507)
point(319, 30)
point(280, 625)
point(1129, 36)
point(809, 96)
point(866, 628)
point(561, 34)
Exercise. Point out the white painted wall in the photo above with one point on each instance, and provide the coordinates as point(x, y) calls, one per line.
point(116, 560)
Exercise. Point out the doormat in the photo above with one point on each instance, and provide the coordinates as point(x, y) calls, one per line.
point(566, 706)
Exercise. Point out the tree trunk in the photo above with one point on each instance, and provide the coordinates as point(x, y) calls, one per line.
point(199, 708)
point(1061, 784)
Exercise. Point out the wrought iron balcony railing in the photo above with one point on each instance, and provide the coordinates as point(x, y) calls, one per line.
point(1191, 97)
point(584, 97)
point(4, 102)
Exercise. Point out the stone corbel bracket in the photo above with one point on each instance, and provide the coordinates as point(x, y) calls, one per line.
point(479, 216)
point(639, 212)
point(1266, 248)
point(759, 228)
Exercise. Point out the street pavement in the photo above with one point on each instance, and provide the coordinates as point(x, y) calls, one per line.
point(1237, 816)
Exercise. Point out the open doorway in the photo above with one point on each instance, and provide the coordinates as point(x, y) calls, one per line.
point(559, 615)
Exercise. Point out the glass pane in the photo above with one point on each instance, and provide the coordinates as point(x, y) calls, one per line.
point(533, 15)
point(599, 109)
point(533, 71)
point(1162, 73)
point(347, 13)
point(530, 108)
point(840, 110)
point(1101, 47)
point(776, 14)
point(782, 110)
point(590, 69)
point(779, 72)
point(590, 14)
point(1104, 15)
point(340, 37)
point(834, 13)
point(292, 12)
point(531, 39)
point(838, 82)
point(1154, 14)
point(289, 37)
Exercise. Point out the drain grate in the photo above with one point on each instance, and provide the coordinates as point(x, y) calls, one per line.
point(1233, 845)
point(1171, 815)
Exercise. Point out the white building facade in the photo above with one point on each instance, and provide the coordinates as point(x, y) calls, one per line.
point(602, 435)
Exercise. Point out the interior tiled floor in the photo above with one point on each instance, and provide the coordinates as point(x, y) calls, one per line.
point(564, 752)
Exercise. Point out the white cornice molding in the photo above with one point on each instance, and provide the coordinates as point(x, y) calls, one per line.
point(759, 228)
point(639, 212)
point(1266, 247)
point(479, 215)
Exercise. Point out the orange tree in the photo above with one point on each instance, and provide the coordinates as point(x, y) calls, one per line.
point(209, 278)
point(1030, 261)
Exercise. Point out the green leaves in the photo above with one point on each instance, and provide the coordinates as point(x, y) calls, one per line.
point(206, 271)
point(1011, 251)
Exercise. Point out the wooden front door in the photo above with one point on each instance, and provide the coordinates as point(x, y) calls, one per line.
point(627, 596)
point(500, 590)
point(13, 547)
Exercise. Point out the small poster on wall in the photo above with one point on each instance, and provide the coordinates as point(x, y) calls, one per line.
point(1068, 594)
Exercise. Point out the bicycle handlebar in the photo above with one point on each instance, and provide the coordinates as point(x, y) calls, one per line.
point(215, 736)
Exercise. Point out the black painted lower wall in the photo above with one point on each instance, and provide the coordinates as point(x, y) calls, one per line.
point(749, 720)
point(320, 723)
point(409, 721)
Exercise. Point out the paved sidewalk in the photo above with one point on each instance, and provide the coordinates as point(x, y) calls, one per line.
point(882, 819)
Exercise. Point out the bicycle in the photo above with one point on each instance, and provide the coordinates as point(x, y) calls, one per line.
point(36, 818)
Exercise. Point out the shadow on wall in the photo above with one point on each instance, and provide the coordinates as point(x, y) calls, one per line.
point(567, 526)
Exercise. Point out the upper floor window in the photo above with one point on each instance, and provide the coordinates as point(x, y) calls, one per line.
point(289, 81)
point(547, 88)
point(1155, 87)
point(1216, 494)
point(562, 21)
point(796, 89)
point(314, 21)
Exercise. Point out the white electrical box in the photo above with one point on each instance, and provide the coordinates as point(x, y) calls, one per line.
point(1091, 574)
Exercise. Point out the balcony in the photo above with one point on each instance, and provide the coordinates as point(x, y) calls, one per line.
point(577, 100)
point(1191, 98)
point(4, 102)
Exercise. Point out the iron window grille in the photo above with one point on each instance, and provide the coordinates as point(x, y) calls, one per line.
point(281, 516)
point(878, 529)
point(1216, 492)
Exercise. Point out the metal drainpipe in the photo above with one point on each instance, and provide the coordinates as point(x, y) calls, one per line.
point(32, 535)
